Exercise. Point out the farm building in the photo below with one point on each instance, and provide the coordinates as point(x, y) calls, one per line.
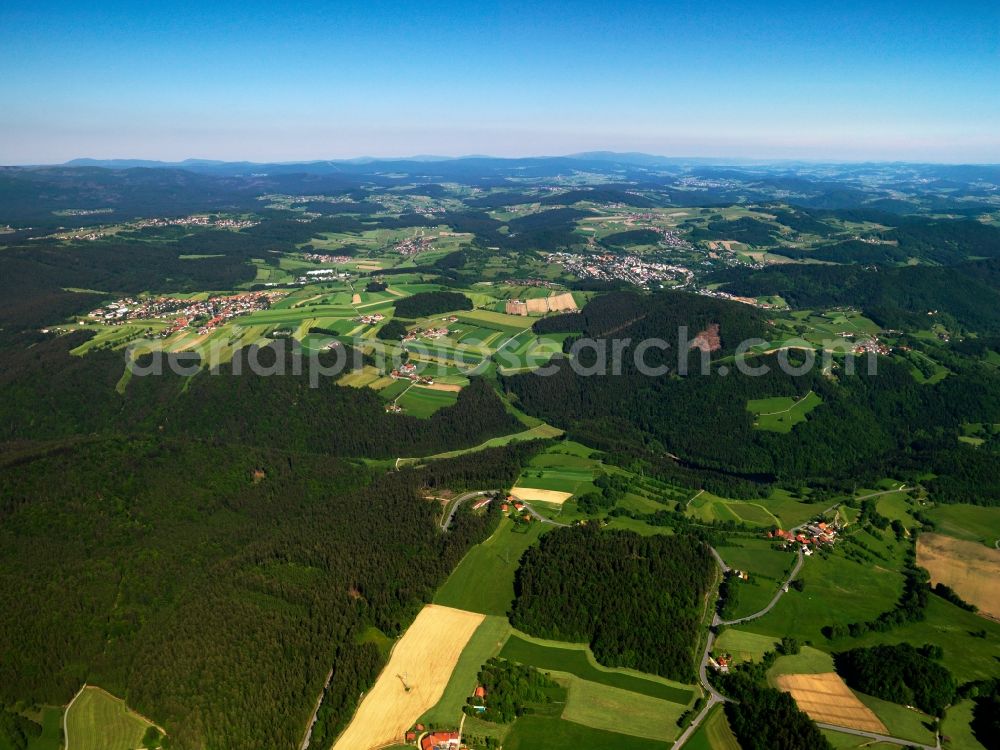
point(440, 741)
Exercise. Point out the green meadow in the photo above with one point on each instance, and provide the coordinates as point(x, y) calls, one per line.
point(782, 413)
point(423, 402)
point(484, 580)
point(576, 659)
point(97, 720)
point(535, 732)
point(714, 733)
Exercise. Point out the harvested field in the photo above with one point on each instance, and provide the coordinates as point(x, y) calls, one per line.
point(541, 496)
point(971, 569)
point(356, 299)
point(425, 657)
point(827, 699)
point(449, 387)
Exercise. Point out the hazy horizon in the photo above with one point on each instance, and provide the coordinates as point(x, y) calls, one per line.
point(744, 161)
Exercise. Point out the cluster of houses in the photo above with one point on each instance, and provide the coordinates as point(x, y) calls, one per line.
point(516, 510)
point(186, 221)
point(720, 663)
point(322, 258)
point(198, 221)
point(371, 318)
point(214, 311)
point(811, 535)
point(872, 346)
point(412, 246)
point(445, 740)
point(427, 333)
point(322, 274)
point(630, 268)
point(408, 371)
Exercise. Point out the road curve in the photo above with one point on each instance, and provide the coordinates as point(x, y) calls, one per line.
point(777, 597)
point(446, 521)
point(462, 499)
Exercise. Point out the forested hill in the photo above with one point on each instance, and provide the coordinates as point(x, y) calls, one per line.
point(967, 294)
point(865, 427)
point(213, 586)
point(50, 393)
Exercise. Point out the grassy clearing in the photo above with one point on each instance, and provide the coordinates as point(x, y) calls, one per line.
point(615, 710)
point(955, 728)
point(808, 661)
point(792, 510)
point(967, 656)
point(744, 646)
point(758, 556)
point(484, 581)
point(98, 721)
point(836, 590)
point(373, 635)
point(975, 523)
point(714, 733)
point(423, 402)
point(782, 413)
point(576, 659)
point(903, 722)
point(709, 507)
point(539, 432)
point(843, 741)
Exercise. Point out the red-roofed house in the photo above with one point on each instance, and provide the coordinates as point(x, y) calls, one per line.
point(440, 741)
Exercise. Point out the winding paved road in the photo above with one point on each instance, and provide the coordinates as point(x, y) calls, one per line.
point(446, 521)
point(714, 697)
point(777, 596)
point(462, 499)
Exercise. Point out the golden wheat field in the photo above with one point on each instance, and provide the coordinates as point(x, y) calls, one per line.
point(414, 679)
point(530, 494)
point(971, 569)
point(827, 699)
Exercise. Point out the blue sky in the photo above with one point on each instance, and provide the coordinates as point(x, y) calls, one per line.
point(304, 80)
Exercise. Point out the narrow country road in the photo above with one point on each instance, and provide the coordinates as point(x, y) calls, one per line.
point(782, 590)
point(714, 697)
point(879, 737)
point(462, 499)
point(446, 521)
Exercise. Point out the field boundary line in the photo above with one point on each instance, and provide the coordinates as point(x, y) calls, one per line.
point(66, 714)
point(785, 411)
point(692, 499)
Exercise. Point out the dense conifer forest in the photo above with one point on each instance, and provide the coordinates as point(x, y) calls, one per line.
point(901, 674)
point(256, 570)
point(637, 601)
point(867, 426)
